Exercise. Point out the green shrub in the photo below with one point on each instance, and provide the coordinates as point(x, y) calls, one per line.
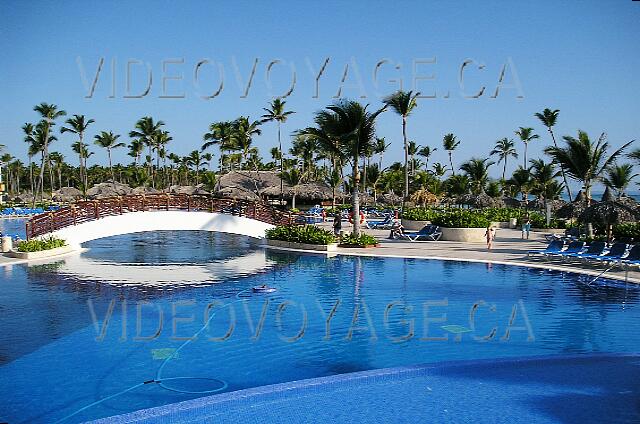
point(37, 245)
point(308, 234)
point(420, 214)
point(502, 214)
point(361, 240)
point(629, 230)
point(461, 219)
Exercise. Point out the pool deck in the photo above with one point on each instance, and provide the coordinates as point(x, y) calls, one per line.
point(508, 249)
point(568, 389)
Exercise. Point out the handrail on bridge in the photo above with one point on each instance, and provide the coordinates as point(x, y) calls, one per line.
point(91, 210)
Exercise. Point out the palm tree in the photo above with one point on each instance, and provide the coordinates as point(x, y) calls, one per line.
point(543, 182)
point(276, 112)
point(403, 103)
point(108, 140)
point(78, 125)
point(242, 135)
point(28, 130)
point(504, 148)
point(619, 177)
point(449, 142)
point(58, 160)
point(426, 153)
point(136, 147)
point(477, 170)
point(195, 159)
point(220, 133)
point(521, 181)
point(81, 149)
point(379, 148)
point(439, 169)
point(147, 130)
point(584, 160)
point(526, 135)
point(457, 185)
point(549, 118)
point(413, 148)
point(349, 123)
point(49, 113)
point(294, 177)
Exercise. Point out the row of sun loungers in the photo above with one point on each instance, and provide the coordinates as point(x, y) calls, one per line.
point(596, 252)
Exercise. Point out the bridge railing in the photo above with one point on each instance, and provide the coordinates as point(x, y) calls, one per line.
point(91, 210)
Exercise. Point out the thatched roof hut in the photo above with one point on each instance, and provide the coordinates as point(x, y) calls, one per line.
point(539, 204)
point(108, 189)
point(144, 190)
point(67, 195)
point(575, 208)
point(512, 202)
point(609, 212)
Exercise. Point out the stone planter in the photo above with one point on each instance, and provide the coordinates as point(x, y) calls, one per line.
point(467, 235)
point(414, 225)
point(549, 230)
point(40, 254)
point(501, 224)
point(359, 246)
point(302, 246)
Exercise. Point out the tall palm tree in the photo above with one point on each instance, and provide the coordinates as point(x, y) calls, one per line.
point(619, 177)
point(526, 135)
point(353, 126)
point(78, 125)
point(403, 103)
point(449, 142)
point(549, 118)
point(543, 183)
point(49, 113)
point(584, 160)
point(276, 112)
point(109, 141)
point(58, 161)
point(477, 170)
point(504, 148)
point(81, 149)
point(426, 153)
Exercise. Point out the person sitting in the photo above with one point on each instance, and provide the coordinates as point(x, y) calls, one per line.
point(396, 230)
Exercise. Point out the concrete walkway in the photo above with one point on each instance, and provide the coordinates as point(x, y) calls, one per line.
point(508, 248)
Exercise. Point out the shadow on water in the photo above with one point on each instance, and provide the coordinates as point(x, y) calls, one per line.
point(572, 390)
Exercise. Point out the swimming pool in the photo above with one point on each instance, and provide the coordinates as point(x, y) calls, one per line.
point(328, 316)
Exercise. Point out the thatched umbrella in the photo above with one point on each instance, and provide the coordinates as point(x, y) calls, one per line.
point(144, 190)
point(389, 199)
point(575, 208)
point(512, 202)
point(609, 212)
point(556, 204)
point(482, 200)
point(23, 198)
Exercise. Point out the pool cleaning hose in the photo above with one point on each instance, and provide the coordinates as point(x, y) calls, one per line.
point(159, 380)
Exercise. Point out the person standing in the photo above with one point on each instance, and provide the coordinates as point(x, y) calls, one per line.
point(526, 228)
point(337, 223)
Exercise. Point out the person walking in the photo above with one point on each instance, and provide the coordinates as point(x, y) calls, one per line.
point(490, 235)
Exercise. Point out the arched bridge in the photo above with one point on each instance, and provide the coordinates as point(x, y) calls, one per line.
point(89, 220)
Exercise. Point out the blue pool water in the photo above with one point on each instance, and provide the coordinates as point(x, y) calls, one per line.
point(13, 227)
point(150, 292)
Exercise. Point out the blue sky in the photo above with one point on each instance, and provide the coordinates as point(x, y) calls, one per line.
point(578, 57)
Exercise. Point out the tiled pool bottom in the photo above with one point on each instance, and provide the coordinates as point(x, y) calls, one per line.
point(567, 389)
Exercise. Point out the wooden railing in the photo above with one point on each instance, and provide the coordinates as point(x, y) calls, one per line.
point(90, 210)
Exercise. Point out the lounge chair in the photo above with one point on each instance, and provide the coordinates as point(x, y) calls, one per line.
point(595, 249)
point(427, 233)
point(385, 224)
point(573, 248)
point(554, 247)
point(633, 258)
point(617, 251)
